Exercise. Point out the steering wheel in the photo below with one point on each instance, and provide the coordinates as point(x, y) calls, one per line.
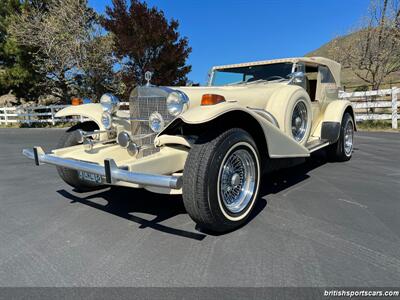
point(274, 77)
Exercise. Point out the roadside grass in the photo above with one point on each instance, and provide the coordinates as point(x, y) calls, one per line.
point(376, 125)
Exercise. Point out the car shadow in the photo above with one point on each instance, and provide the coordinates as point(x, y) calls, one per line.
point(163, 207)
point(120, 203)
point(277, 181)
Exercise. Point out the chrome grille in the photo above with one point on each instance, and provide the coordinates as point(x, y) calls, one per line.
point(143, 102)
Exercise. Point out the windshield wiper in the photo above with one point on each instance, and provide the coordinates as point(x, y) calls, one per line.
point(256, 81)
point(246, 82)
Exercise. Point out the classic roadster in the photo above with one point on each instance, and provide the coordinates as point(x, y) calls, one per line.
point(211, 144)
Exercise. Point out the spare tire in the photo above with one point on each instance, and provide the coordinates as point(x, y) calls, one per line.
point(292, 110)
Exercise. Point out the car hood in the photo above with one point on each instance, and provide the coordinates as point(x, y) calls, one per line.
point(251, 95)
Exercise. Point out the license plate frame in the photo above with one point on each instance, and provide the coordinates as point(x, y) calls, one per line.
point(90, 177)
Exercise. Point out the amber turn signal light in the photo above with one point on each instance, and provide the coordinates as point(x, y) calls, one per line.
point(76, 101)
point(212, 99)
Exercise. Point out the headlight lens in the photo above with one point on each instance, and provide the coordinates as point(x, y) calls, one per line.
point(176, 102)
point(156, 122)
point(106, 120)
point(110, 103)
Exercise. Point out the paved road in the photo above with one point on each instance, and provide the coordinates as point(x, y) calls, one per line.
point(319, 224)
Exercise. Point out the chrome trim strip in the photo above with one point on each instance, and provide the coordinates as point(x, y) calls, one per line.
point(265, 115)
point(139, 120)
point(318, 146)
point(115, 173)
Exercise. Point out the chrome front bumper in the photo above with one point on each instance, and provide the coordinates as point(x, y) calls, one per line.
point(110, 170)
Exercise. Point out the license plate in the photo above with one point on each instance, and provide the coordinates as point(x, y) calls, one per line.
point(85, 176)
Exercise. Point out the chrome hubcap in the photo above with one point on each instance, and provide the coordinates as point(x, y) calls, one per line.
point(299, 121)
point(348, 138)
point(237, 180)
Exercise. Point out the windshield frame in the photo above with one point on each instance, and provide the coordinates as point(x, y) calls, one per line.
point(215, 69)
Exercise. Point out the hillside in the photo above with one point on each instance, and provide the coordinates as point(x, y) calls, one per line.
point(349, 79)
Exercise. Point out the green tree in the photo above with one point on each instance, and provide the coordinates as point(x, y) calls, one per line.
point(73, 53)
point(147, 41)
point(374, 52)
point(16, 70)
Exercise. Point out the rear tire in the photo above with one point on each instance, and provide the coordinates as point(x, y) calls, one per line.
point(342, 150)
point(221, 180)
point(68, 139)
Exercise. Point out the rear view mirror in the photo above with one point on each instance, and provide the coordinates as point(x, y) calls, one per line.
point(296, 77)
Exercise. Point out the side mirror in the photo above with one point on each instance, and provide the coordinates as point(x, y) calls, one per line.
point(296, 77)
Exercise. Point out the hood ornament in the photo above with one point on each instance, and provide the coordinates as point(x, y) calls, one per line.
point(148, 76)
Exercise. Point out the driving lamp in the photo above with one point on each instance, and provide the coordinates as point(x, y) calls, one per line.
point(156, 122)
point(106, 120)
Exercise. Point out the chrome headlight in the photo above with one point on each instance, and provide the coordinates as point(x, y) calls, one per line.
point(106, 120)
point(110, 103)
point(177, 102)
point(156, 122)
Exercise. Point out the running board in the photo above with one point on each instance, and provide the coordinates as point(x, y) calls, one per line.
point(316, 145)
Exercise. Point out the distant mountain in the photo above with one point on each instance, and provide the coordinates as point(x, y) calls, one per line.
point(349, 79)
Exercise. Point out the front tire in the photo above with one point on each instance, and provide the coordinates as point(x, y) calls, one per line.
point(68, 139)
point(221, 180)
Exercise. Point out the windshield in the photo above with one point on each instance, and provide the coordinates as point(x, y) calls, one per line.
point(249, 74)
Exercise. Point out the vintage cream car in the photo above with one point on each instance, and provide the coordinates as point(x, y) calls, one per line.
point(209, 143)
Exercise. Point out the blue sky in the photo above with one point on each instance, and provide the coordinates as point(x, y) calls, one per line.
point(231, 31)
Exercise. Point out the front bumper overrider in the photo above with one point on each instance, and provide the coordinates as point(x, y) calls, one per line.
point(110, 171)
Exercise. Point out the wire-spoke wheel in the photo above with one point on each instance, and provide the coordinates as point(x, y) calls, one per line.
point(342, 150)
point(348, 137)
point(299, 121)
point(221, 180)
point(236, 179)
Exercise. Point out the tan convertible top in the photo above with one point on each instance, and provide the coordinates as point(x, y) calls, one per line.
point(333, 66)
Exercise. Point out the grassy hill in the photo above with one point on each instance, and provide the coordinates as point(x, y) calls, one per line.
point(349, 79)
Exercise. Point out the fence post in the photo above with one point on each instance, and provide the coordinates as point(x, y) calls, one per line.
point(394, 107)
point(5, 116)
point(52, 115)
point(29, 117)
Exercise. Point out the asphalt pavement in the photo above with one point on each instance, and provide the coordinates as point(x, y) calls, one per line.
point(318, 224)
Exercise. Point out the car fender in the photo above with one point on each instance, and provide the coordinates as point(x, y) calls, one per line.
point(335, 110)
point(92, 111)
point(278, 143)
point(330, 125)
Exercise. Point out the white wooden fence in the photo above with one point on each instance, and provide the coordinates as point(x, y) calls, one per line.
point(36, 114)
point(363, 102)
point(375, 105)
point(33, 114)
